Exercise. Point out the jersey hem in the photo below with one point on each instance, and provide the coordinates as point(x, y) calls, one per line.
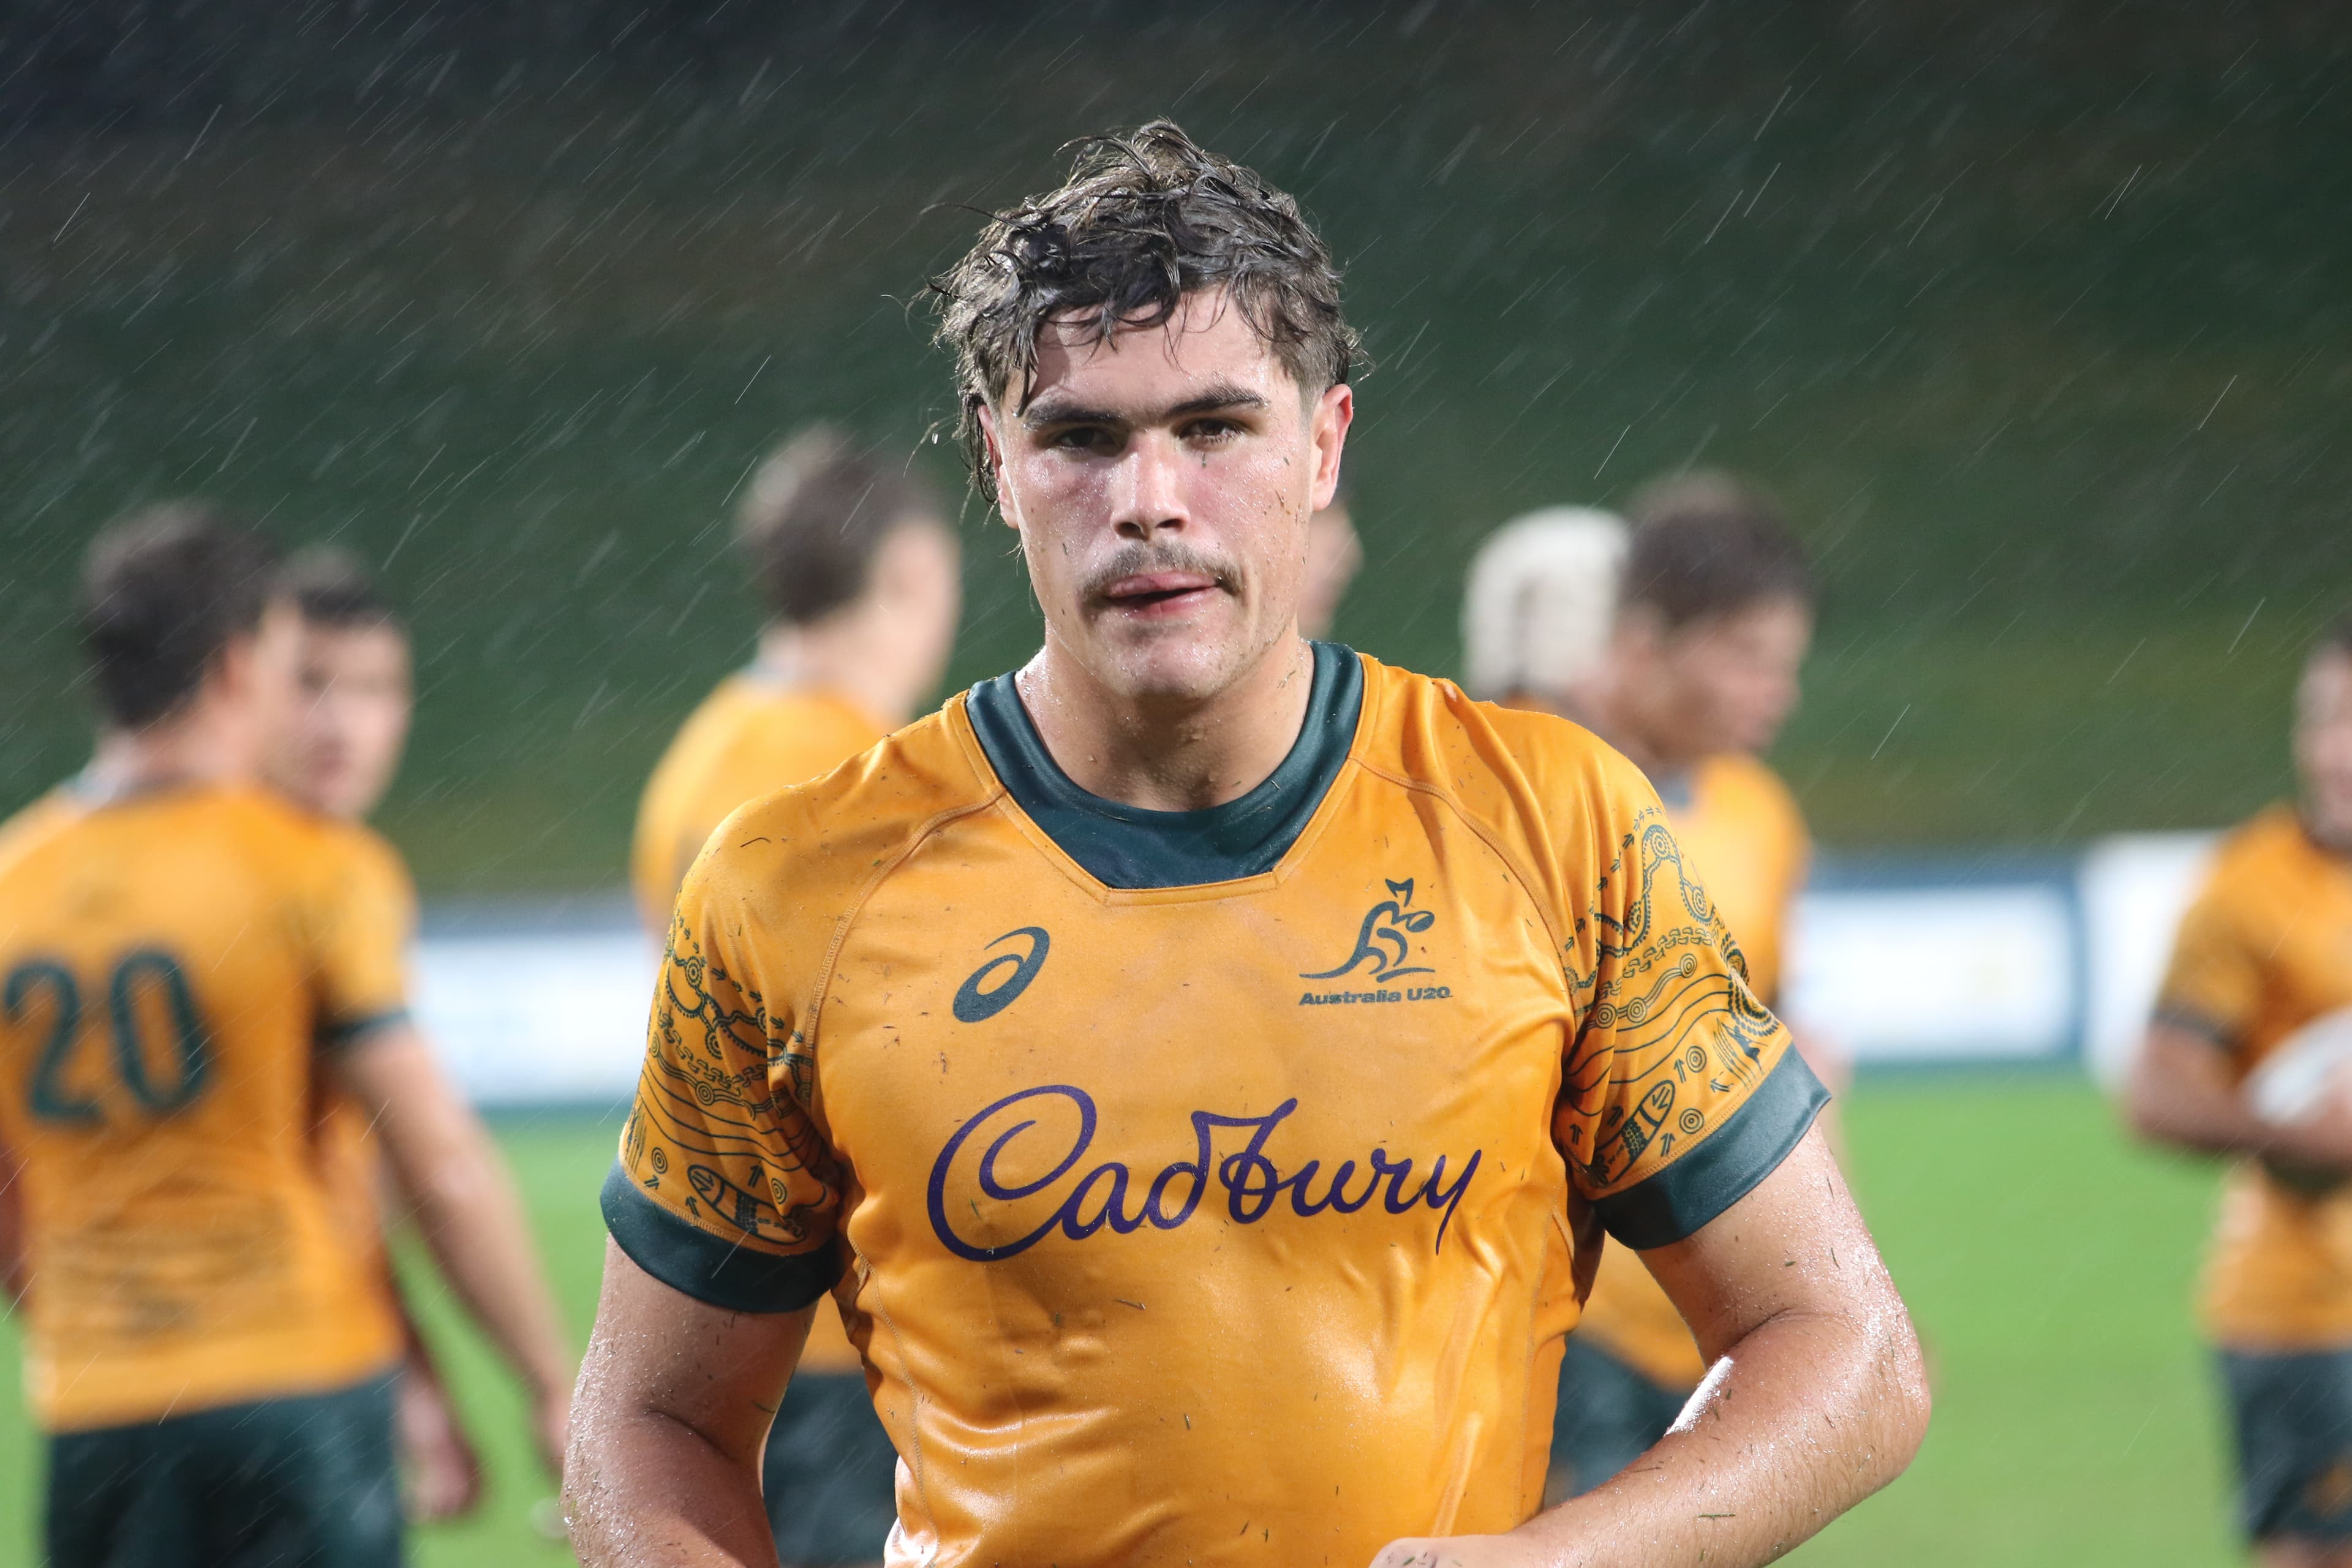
point(63, 1419)
point(1748, 1146)
point(710, 1268)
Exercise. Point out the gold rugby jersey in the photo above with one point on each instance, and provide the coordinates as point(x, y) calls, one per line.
point(751, 737)
point(171, 965)
point(1742, 829)
point(2265, 948)
point(1202, 1187)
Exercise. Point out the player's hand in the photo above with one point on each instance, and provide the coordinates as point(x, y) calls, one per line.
point(445, 1473)
point(551, 1427)
point(1454, 1551)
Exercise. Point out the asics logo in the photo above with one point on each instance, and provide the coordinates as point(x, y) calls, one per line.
point(998, 984)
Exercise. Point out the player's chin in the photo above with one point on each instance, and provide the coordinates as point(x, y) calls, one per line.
point(1172, 662)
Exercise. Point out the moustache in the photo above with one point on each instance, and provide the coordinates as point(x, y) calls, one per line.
point(1136, 560)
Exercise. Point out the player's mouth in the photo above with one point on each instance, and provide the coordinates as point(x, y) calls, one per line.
point(1156, 595)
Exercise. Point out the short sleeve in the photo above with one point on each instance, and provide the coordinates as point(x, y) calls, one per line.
point(1680, 1092)
point(2213, 986)
point(724, 1188)
point(366, 920)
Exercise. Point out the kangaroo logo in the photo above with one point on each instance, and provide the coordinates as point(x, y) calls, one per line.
point(977, 999)
point(1384, 939)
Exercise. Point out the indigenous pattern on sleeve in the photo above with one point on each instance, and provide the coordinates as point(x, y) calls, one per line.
point(1739, 830)
point(724, 1189)
point(750, 738)
point(1673, 1044)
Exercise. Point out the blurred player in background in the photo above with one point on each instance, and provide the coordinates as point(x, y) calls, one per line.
point(1538, 608)
point(2264, 954)
point(354, 698)
point(858, 566)
point(1679, 641)
point(1334, 556)
point(187, 963)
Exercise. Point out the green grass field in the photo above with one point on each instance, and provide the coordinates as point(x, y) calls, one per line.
point(2049, 1265)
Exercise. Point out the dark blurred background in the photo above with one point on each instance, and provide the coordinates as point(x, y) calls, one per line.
point(2038, 318)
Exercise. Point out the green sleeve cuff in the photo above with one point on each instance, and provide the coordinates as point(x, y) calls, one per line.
point(2188, 1021)
point(341, 1034)
point(1725, 1167)
point(713, 1269)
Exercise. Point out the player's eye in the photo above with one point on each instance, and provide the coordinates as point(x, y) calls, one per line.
point(1091, 438)
point(1211, 432)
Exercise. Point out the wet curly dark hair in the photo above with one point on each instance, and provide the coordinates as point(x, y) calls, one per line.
point(1144, 219)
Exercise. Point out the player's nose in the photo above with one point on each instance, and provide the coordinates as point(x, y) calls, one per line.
point(1146, 489)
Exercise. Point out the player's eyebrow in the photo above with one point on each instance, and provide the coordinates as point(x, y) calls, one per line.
point(1216, 397)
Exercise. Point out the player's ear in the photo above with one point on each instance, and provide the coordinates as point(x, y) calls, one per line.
point(993, 451)
point(1328, 419)
point(230, 674)
point(1639, 632)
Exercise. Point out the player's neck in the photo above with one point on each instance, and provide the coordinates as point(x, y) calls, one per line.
point(1656, 755)
point(835, 655)
point(1176, 756)
point(197, 747)
point(1608, 708)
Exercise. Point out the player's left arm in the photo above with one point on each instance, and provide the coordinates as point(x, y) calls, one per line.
point(441, 1159)
point(1690, 1123)
point(1816, 1398)
point(445, 1470)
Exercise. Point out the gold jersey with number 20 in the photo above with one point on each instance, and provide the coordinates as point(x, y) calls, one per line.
point(1201, 1187)
point(172, 964)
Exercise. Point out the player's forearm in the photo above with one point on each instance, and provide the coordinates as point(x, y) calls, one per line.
point(646, 1490)
point(2180, 1094)
point(464, 1203)
point(472, 1219)
point(1811, 1414)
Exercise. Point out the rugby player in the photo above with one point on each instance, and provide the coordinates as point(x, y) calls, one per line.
point(2265, 948)
point(1201, 1061)
point(859, 568)
point(188, 963)
point(354, 699)
point(858, 565)
point(1538, 608)
point(1680, 642)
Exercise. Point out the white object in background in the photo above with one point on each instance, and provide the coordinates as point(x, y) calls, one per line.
point(537, 1018)
point(2305, 1070)
point(1965, 972)
point(2135, 888)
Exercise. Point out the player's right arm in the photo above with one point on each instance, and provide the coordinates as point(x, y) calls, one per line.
point(668, 1426)
point(722, 1206)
